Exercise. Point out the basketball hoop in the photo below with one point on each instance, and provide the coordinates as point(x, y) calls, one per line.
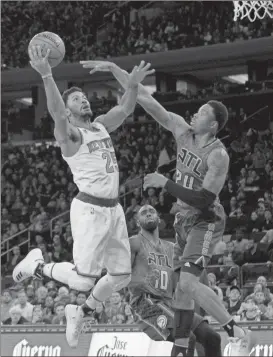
point(252, 9)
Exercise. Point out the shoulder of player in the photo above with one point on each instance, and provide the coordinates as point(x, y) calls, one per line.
point(135, 242)
point(71, 142)
point(166, 243)
point(218, 158)
point(72, 134)
point(100, 120)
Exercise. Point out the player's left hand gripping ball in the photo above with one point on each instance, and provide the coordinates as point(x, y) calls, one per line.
point(155, 180)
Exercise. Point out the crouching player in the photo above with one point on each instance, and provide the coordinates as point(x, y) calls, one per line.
point(153, 284)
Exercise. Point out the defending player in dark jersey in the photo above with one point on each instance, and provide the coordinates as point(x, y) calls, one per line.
point(153, 283)
point(202, 164)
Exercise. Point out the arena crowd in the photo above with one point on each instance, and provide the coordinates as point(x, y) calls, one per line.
point(122, 30)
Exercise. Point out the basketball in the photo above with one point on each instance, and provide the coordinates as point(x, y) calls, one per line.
point(49, 40)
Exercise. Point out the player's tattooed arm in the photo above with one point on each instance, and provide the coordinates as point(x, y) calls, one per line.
point(218, 165)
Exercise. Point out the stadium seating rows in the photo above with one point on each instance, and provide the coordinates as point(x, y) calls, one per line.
point(180, 25)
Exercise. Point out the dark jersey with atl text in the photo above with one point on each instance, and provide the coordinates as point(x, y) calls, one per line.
point(191, 166)
point(152, 270)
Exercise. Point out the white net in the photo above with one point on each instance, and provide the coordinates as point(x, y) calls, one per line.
point(252, 9)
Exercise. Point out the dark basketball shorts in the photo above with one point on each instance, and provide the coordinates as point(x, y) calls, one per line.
point(155, 317)
point(196, 237)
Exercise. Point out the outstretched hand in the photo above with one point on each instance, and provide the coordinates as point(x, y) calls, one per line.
point(38, 61)
point(98, 66)
point(155, 180)
point(139, 73)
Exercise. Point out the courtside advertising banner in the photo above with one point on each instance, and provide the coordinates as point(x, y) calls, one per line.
point(119, 344)
point(41, 344)
point(50, 341)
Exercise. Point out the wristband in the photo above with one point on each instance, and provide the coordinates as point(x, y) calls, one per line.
point(47, 76)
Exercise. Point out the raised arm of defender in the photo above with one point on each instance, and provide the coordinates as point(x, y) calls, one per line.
point(170, 121)
point(116, 116)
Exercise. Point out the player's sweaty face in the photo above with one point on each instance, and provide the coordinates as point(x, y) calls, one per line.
point(203, 119)
point(78, 104)
point(148, 218)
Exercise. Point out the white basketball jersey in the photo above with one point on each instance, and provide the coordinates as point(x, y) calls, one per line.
point(94, 166)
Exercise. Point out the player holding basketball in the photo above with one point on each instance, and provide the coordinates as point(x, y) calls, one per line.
point(97, 219)
point(202, 167)
point(153, 284)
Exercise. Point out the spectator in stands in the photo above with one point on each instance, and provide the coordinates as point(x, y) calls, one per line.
point(63, 295)
point(268, 315)
point(263, 282)
point(48, 311)
point(234, 300)
point(73, 297)
point(249, 311)
point(59, 318)
point(100, 314)
point(117, 313)
point(81, 298)
point(38, 316)
point(25, 307)
point(6, 304)
point(256, 252)
point(60, 254)
point(260, 301)
point(30, 292)
point(213, 286)
point(240, 242)
point(16, 258)
point(268, 222)
point(16, 317)
point(129, 316)
point(227, 259)
point(232, 206)
point(41, 294)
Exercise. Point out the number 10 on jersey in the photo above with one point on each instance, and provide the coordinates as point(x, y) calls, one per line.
point(162, 282)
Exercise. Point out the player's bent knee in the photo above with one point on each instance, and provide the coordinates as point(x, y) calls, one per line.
point(187, 282)
point(119, 281)
point(80, 283)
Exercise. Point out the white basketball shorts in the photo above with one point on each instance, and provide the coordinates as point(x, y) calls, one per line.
point(100, 239)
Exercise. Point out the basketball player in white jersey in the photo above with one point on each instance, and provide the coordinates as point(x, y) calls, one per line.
point(97, 219)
